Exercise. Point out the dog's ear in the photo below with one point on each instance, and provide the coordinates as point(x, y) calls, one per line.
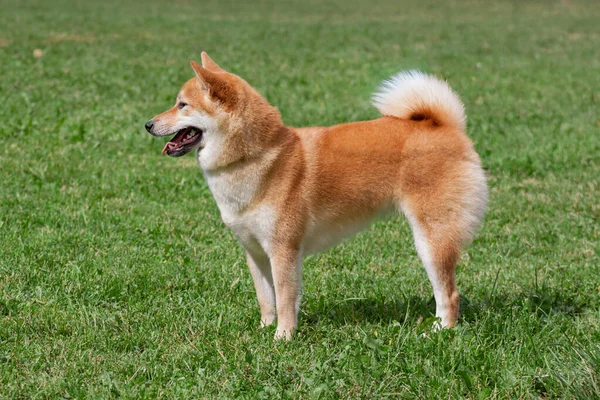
point(209, 64)
point(205, 77)
point(215, 84)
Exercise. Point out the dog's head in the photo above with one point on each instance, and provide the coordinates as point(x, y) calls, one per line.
point(217, 113)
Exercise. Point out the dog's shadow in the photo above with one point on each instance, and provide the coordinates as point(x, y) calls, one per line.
point(543, 302)
point(369, 310)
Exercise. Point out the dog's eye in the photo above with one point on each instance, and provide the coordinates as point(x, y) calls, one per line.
point(181, 105)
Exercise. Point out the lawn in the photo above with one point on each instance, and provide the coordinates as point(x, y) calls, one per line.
point(118, 278)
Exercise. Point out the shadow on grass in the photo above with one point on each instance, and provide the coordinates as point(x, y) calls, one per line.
point(357, 311)
point(542, 302)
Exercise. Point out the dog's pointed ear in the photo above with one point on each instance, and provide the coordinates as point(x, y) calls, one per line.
point(205, 77)
point(215, 84)
point(209, 64)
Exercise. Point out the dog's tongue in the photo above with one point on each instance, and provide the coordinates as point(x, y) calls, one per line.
point(167, 147)
point(181, 139)
point(176, 141)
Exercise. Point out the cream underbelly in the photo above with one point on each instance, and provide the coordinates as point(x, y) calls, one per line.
point(322, 234)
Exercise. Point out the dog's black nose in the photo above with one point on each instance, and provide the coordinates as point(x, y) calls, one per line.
point(149, 125)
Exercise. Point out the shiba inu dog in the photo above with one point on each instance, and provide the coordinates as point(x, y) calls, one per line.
point(286, 192)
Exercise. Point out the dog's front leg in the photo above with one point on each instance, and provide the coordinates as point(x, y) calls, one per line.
point(260, 269)
point(286, 264)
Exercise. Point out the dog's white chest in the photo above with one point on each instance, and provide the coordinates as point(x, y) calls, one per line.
point(254, 229)
point(234, 194)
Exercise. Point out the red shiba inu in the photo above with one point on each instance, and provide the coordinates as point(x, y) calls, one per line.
point(286, 192)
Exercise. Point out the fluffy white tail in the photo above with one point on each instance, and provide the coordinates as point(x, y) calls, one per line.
point(418, 96)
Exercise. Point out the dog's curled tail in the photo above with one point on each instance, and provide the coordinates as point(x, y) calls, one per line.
point(417, 96)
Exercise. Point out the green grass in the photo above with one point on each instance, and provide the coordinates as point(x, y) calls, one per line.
point(118, 278)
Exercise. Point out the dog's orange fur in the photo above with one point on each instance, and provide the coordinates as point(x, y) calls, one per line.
point(318, 181)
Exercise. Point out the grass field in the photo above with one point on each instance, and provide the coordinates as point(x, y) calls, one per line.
point(118, 278)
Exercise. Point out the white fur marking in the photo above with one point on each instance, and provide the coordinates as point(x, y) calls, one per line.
point(321, 234)
point(408, 92)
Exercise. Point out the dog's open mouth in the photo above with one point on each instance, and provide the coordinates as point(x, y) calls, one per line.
point(183, 142)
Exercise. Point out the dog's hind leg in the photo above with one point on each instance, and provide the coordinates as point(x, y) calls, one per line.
point(439, 253)
point(444, 218)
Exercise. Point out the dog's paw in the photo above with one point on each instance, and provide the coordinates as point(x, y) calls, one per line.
point(267, 321)
point(437, 326)
point(284, 334)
